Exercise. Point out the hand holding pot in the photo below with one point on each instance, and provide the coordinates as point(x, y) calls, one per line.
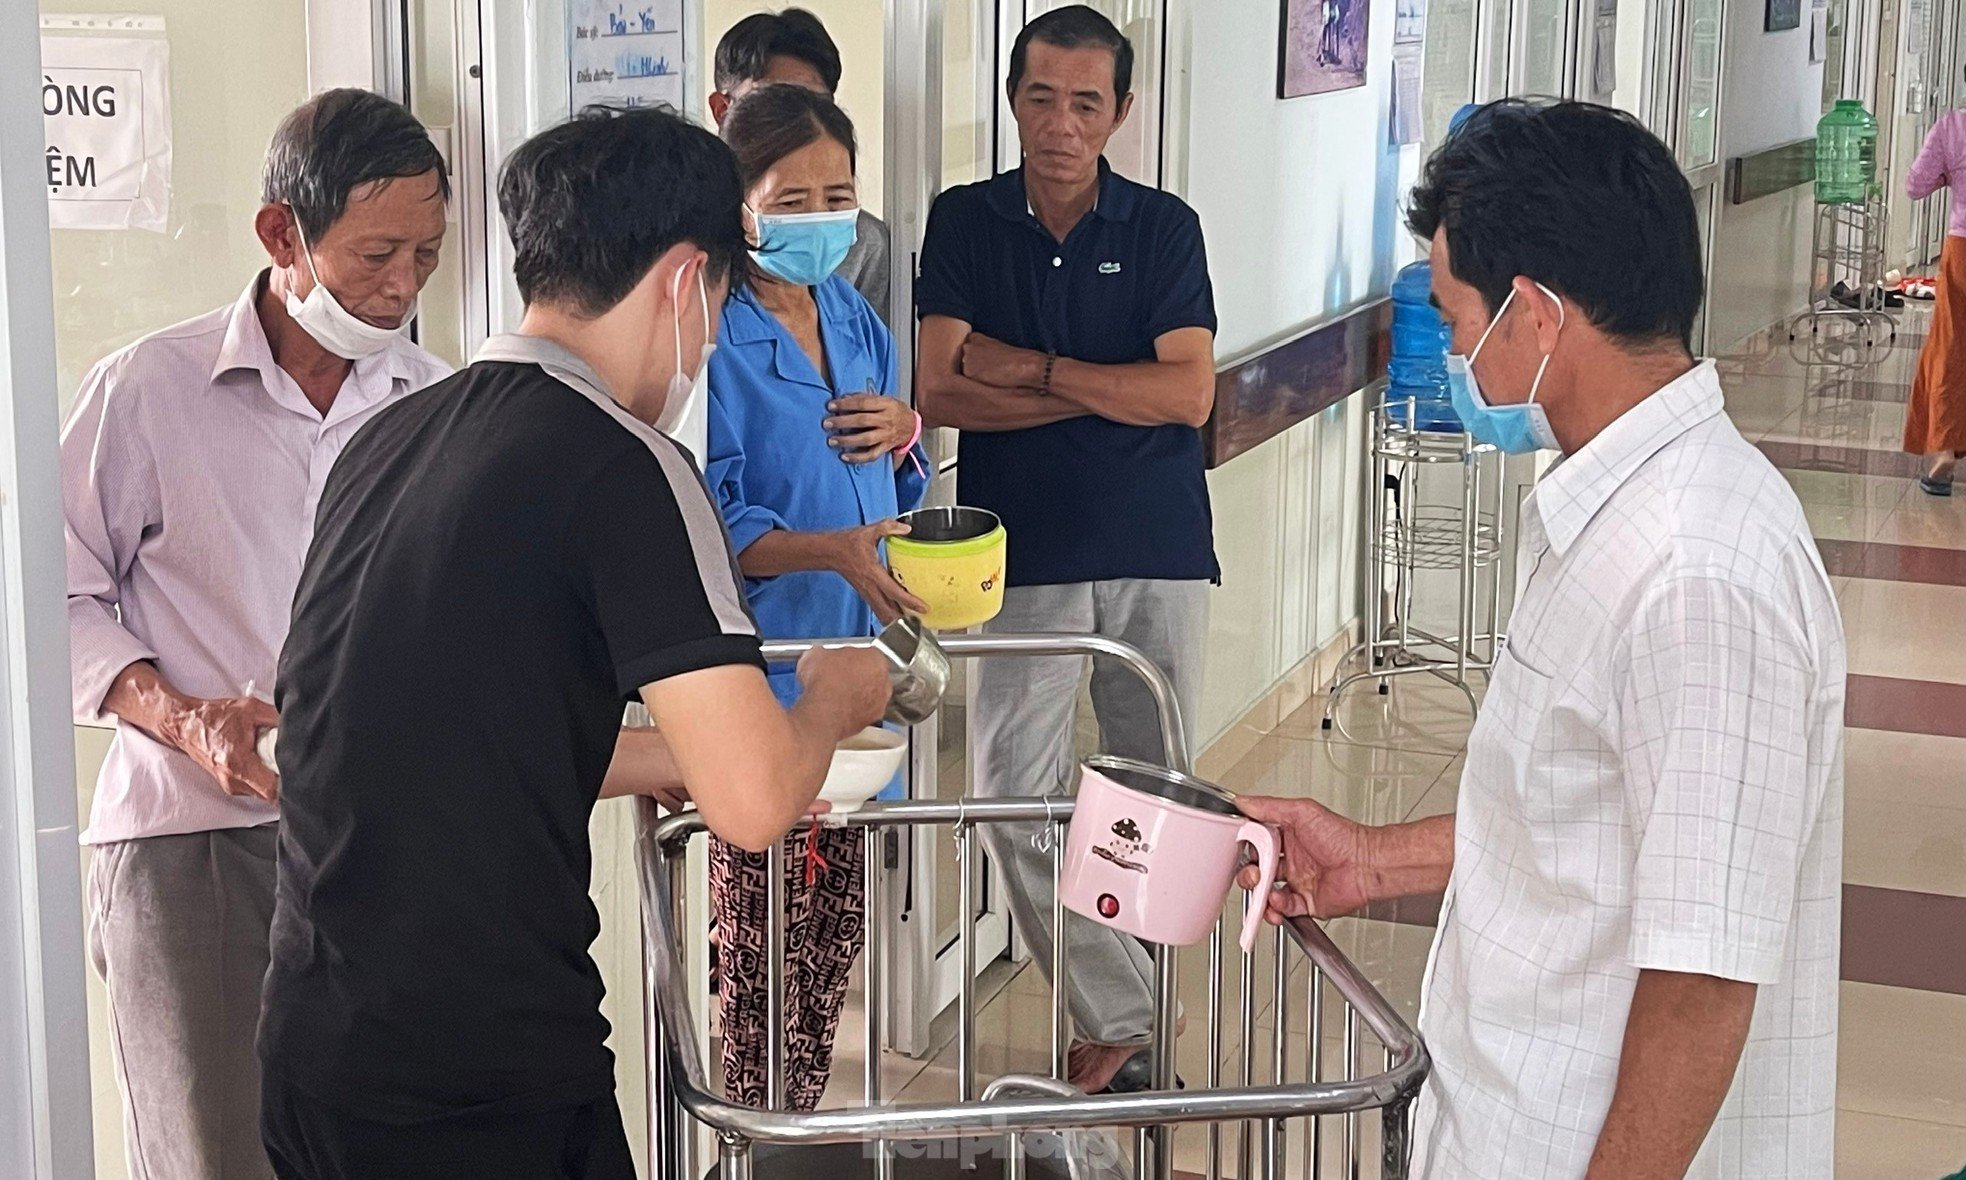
point(857, 558)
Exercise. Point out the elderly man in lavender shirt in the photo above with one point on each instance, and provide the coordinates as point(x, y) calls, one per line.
point(191, 467)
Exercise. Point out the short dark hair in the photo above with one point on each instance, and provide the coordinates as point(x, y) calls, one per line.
point(1075, 26)
point(592, 204)
point(745, 53)
point(772, 122)
point(336, 142)
point(1581, 198)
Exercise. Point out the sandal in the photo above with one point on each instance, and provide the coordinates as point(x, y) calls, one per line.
point(1137, 1075)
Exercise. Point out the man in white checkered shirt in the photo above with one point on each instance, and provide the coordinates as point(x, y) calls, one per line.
point(1636, 969)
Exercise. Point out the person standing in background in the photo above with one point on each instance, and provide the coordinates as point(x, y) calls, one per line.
point(811, 457)
point(1935, 416)
point(1068, 330)
point(191, 467)
point(793, 47)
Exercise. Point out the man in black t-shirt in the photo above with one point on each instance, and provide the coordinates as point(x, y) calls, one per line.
point(498, 564)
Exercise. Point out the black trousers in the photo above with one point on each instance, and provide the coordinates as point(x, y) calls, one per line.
point(310, 1140)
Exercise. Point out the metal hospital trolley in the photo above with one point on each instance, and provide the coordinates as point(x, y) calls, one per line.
point(998, 1130)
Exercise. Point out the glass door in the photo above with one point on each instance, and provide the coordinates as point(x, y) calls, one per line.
point(1942, 84)
point(1945, 90)
point(1543, 53)
point(1953, 73)
point(1699, 145)
point(234, 69)
point(938, 123)
point(1684, 108)
point(1914, 102)
point(1629, 49)
point(1449, 66)
point(1699, 150)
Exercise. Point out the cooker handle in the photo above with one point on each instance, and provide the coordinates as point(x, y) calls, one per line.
point(1263, 839)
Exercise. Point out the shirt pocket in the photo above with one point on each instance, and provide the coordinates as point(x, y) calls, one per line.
point(1510, 732)
point(1512, 755)
point(1563, 779)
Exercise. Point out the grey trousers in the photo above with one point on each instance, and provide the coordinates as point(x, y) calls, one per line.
point(1023, 730)
point(178, 931)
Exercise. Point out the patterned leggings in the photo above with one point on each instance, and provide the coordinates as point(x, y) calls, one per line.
point(824, 931)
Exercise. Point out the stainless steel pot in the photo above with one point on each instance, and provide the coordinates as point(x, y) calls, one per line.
point(949, 524)
point(1162, 783)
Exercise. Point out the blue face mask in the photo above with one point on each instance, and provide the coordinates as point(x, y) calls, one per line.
point(804, 248)
point(1514, 430)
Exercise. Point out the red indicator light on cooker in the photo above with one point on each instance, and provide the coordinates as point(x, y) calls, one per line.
point(1109, 906)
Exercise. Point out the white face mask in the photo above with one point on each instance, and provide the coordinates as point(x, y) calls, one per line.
point(685, 415)
point(333, 326)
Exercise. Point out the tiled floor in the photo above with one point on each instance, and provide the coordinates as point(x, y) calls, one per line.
point(1899, 562)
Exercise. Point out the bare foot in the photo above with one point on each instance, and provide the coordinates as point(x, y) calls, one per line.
point(1091, 1066)
point(1939, 465)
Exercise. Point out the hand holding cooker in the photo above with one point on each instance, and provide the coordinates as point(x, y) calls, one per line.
point(1152, 852)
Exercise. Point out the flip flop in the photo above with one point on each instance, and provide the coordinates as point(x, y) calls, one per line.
point(1935, 487)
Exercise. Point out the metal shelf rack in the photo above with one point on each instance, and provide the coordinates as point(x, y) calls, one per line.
point(1848, 253)
point(1463, 536)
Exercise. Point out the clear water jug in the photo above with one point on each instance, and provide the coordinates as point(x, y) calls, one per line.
point(1846, 154)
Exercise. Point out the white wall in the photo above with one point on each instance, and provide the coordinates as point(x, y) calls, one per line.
point(1771, 93)
point(1299, 202)
point(1297, 197)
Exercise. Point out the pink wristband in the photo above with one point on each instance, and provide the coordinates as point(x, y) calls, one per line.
point(909, 447)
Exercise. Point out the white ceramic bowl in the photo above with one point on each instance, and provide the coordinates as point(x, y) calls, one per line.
point(863, 766)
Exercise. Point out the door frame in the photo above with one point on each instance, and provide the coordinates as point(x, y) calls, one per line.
point(925, 972)
point(46, 1123)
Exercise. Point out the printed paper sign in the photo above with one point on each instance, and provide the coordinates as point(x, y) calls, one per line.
point(106, 110)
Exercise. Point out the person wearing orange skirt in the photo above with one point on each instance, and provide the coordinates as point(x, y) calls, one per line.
point(1935, 418)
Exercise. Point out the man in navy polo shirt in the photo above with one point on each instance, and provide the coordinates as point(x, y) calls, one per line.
point(1068, 330)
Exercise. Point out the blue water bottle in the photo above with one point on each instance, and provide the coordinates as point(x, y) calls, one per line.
point(1416, 387)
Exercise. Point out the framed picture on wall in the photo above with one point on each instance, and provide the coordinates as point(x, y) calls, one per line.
point(1322, 47)
point(1783, 15)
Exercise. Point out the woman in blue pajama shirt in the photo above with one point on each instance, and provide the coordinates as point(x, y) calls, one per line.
point(810, 457)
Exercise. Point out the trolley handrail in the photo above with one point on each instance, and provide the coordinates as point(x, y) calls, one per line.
point(658, 842)
point(680, 1078)
point(1174, 737)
